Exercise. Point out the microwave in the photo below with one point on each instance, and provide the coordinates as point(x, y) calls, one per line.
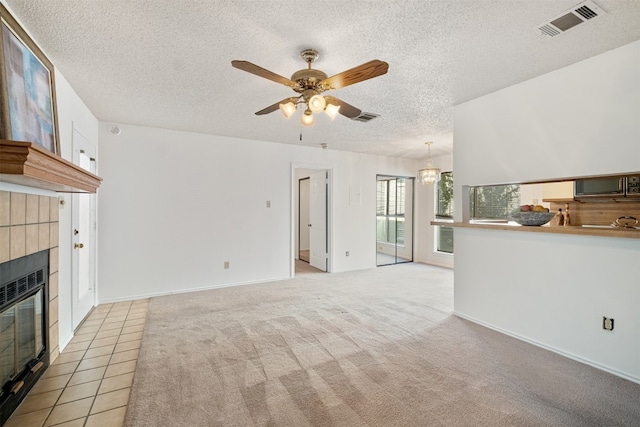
point(607, 187)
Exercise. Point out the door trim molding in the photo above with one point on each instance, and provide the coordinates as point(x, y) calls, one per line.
point(293, 190)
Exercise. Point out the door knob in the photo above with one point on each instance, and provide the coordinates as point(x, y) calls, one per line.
point(308, 225)
point(78, 245)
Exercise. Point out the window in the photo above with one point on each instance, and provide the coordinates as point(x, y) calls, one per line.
point(390, 208)
point(493, 201)
point(444, 210)
point(444, 204)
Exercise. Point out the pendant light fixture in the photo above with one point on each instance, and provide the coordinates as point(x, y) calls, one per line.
point(430, 174)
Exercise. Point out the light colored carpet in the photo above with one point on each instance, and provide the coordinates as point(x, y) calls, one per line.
point(375, 347)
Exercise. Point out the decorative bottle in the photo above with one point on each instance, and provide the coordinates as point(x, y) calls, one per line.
point(560, 218)
point(567, 216)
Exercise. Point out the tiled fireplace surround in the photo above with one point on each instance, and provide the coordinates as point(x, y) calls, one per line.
point(29, 224)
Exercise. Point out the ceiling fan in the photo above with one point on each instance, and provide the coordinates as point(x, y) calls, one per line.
point(310, 83)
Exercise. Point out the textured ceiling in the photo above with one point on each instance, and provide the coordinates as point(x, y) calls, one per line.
point(167, 63)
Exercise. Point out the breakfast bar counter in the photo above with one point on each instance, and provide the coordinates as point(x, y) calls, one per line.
point(603, 231)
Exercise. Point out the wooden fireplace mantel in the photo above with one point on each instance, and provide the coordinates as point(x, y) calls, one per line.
point(27, 164)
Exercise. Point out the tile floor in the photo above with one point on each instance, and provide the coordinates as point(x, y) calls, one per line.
point(89, 383)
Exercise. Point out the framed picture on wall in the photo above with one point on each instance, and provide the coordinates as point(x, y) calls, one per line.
point(27, 89)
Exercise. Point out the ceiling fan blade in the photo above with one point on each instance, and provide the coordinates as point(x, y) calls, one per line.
point(273, 107)
point(346, 110)
point(357, 74)
point(261, 72)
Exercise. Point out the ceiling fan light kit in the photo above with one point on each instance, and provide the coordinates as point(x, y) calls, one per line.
point(430, 174)
point(310, 84)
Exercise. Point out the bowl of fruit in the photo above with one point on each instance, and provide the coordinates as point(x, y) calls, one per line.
point(531, 215)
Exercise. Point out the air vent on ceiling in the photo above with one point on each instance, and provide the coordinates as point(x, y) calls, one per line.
point(365, 117)
point(577, 15)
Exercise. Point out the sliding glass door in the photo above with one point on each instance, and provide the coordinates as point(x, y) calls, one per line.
point(394, 220)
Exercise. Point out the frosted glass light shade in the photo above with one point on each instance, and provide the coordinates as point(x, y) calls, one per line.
point(288, 109)
point(317, 103)
point(332, 110)
point(307, 118)
point(429, 175)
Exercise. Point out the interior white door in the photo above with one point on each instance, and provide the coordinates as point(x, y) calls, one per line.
point(318, 220)
point(83, 274)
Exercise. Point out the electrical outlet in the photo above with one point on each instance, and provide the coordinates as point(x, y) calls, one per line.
point(268, 203)
point(226, 265)
point(347, 254)
point(607, 323)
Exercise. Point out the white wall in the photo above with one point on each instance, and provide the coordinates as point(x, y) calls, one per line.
point(175, 205)
point(72, 113)
point(553, 290)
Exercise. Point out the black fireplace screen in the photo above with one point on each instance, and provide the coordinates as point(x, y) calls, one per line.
point(21, 336)
point(23, 327)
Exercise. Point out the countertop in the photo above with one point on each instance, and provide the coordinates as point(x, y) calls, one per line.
point(628, 233)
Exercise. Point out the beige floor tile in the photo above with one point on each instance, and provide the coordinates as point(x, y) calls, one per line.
point(82, 337)
point(95, 315)
point(140, 315)
point(88, 329)
point(36, 402)
point(134, 322)
point(94, 362)
point(128, 345)
point(119, 312)
point(89, 323)
point(112, 418)
point(108, 333)
point(125, 356)
point(79, 346)
point(120, 368)
point(64, 368)
point(69, 411)
point(111, 400)
point(75, 423)
point(99, 351)
point(132, 329)
point(116, 383)
point(138, 309)
point(130, 337)
point(87, 376)
point(110, 326)
point(104, 341)
point(115, 318)
point(50, 384)
point(32, 419)
point(102, 308)
point(79, 391)
point(121, 304)
point(66, 357)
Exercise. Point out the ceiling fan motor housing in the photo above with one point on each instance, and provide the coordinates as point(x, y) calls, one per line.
point(308, 79)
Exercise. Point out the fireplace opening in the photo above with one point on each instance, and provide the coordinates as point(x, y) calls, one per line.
point(24, 314)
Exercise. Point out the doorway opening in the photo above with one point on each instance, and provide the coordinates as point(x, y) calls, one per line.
point(394, 219)
point(312, 220)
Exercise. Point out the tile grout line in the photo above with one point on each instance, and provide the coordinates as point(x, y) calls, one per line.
point(100, 323)
point(76, 370)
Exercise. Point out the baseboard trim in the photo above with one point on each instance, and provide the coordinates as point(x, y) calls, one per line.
point(553, 349)
point(184, 291)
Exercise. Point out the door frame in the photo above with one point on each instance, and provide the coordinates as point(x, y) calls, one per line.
point(413, 222)
point(300, 228)
point(293, 213)
point(92, 247)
